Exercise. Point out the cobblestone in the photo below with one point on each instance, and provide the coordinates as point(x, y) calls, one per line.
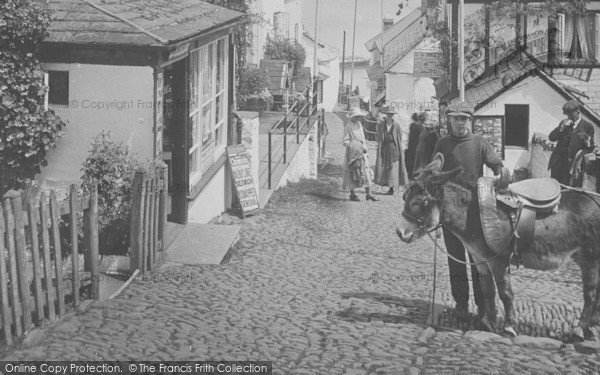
point(318, 285)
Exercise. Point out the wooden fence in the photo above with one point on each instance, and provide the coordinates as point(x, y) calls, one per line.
point(148, 219)
point(31, 271)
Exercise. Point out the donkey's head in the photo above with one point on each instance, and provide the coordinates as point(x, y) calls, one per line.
point(422, 206)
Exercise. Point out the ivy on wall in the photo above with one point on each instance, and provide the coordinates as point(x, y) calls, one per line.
point(27, 130)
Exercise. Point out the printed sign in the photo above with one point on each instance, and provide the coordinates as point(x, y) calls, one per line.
point(492, 129)
point(158, 115)
point(429, 64)
point(239, 160)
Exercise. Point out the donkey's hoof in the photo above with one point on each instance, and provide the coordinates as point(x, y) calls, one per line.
point(578, 335)
point(483, 325)
point(510, 331)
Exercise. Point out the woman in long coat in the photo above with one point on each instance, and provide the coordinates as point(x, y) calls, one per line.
point(415, 129)
point(390, 169)
point(356, 160)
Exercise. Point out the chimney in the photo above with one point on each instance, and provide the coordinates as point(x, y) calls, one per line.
point(388, 21)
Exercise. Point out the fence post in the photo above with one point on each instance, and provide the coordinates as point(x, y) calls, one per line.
point(35, 258)
point(324, 136)
point(163, 210)
point(297, 121)
point(55, 218)
point(74, 243)
point(15, 201)
point(285, 138)
point(270, 158)
point(136, 238)
point(91, 223)
point(4, 298)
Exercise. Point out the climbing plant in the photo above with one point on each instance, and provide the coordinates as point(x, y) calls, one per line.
point(27, 130)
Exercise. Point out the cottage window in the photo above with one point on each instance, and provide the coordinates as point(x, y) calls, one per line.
point(280, 25)
point(58, 87)
point(578, 37)
point(208, 107)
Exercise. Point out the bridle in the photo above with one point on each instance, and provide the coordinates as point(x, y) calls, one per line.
point(427, 204)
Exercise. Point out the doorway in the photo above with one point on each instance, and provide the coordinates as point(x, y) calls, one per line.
point(174, 140)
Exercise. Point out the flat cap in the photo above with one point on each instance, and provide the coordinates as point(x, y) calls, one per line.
point(570, 106)
point(461, 111)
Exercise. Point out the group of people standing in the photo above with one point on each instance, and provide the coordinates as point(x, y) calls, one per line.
point(393, 166)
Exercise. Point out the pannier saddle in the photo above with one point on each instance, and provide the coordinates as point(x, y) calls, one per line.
point(514, 218)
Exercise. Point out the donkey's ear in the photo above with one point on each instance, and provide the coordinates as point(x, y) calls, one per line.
point(440, 178)
point(437, 163)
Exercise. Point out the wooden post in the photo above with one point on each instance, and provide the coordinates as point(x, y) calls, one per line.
point(35, 257)
point(74, 244)
point(12, 269)
point(44, 218)
point(91, 215)
point(145, 224)
point(55, 217)
point(150, 227)
point(15, 200)
point(4, 298)
point(137, 216)
point(163, 210)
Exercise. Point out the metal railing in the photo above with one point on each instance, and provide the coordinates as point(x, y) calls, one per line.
point(304, 105)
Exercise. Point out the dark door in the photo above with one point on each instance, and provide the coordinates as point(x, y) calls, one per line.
point(175, 118)
point(516, 125)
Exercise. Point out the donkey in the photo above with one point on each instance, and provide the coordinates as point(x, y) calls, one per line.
point(574, 231)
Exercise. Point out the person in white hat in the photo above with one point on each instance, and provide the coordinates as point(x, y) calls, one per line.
point(357, 171)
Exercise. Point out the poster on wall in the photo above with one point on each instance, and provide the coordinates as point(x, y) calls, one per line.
point(492, 129)
point(158, 115)
point(245, 187)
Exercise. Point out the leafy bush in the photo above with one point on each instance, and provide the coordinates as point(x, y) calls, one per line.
point(27, 130)
point(112, 167)
point(254, 84)
point(286, 49)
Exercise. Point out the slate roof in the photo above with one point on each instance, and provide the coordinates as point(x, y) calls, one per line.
point(325, 52)
point(393, 31)
point(506, 74)
point(134, 22)
point(586, 81)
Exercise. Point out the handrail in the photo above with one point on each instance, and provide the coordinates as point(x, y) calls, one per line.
point(310, 107)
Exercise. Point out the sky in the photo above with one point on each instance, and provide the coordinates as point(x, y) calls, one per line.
point(335, 16)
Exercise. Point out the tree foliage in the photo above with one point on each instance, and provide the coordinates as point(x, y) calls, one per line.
point(286, 49)
point(27, 130)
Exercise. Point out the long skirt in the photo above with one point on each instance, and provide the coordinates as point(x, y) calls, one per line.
point(389, 176)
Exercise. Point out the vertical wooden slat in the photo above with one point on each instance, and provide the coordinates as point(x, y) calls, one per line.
point(137, 215)
point(35, 257)
point(4, 299)
point(74, 245)
point(46, 255)
point(55, 217)
point(150, 227)
point(12, 267)
point(20, 249)
point(156, 217)
point(92, 230)
point(145, 227)
point(163, 210)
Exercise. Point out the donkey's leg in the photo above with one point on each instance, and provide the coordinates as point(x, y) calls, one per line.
point(488, 289)
point(505, 293)
point(589, 276)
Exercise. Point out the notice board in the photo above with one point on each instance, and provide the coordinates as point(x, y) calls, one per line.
point(245, 187)
point(492, 129)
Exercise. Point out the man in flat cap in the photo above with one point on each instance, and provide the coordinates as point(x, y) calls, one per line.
point(471, 152)
point(567, 136)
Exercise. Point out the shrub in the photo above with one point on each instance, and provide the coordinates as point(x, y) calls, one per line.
point(254, 84)
point(112, 167)
point(286, 49)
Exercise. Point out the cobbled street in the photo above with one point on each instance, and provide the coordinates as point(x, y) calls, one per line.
point(318, 285)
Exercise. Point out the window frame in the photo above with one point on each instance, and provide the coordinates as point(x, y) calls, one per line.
point(205, 131)
point(594, 33)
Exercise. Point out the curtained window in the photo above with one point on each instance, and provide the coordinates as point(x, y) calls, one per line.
point(578, 37)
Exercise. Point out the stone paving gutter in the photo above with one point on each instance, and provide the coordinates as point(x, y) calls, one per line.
point(298, 289)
